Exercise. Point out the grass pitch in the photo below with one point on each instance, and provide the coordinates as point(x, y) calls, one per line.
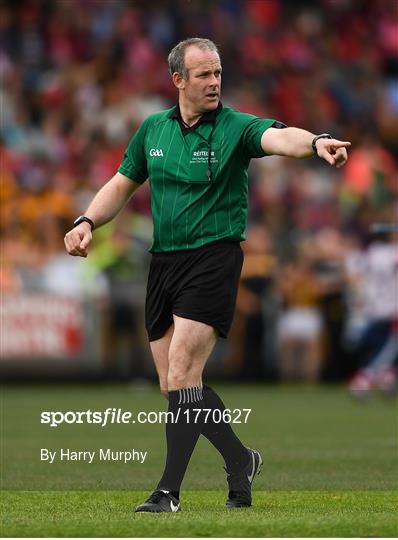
point(274, 514)
point(330, 466)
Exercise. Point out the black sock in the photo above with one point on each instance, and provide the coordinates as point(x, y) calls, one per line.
point(182, 435)
point(221, 434)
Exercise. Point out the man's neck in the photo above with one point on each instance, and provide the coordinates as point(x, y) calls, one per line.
point(188, 115)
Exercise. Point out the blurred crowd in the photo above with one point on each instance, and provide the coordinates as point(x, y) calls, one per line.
point(78, 78)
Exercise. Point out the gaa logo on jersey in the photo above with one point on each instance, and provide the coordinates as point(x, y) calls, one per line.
point(157, 152)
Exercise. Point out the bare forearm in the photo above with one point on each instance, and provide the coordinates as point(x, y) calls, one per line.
point(290, 141)
point(106, 204)
point(110, 199)
point(297, 143)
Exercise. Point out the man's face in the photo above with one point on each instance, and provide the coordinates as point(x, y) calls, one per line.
point(202, 87)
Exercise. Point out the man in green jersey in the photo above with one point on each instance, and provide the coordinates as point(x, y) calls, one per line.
point(196, 157)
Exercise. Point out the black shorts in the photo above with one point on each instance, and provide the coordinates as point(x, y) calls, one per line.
point(199, 284)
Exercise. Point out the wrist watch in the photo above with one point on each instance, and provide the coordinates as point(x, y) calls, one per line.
point(81, 219)
point(321, 136)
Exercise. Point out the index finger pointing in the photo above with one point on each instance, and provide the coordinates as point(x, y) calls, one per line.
point(340, 144)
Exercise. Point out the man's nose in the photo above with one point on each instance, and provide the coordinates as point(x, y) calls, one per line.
point(214, 81)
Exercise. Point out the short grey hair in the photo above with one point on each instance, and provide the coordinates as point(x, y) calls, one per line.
point(176, 57)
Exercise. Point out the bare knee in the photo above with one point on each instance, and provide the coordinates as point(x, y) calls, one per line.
point(189, 350)
point(178, 375)
point(184, 375)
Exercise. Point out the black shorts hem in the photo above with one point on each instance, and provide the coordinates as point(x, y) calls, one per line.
point(198, 318)
point(158, 335)
point(154, 336)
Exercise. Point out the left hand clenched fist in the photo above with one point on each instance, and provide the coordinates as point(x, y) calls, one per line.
point(333, 151)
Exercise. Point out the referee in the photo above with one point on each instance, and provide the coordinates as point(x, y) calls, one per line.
point(195, 156)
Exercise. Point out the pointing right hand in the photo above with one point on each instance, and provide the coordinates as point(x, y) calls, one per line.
point(78, 239)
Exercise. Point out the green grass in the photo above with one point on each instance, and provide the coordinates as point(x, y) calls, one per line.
point(276, 514)
point(330, 466)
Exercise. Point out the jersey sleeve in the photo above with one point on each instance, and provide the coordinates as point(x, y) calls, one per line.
point(134, 162)
point(253, 132)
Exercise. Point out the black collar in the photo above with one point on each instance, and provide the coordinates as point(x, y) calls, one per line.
point(209, 117)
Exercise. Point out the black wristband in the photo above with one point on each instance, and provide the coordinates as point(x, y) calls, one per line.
point(321, 136)
point(81, 219)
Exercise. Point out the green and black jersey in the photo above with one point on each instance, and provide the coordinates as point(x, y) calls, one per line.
point(190, 206)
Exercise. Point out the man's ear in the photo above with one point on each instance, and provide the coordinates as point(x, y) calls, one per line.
point(178, 80)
